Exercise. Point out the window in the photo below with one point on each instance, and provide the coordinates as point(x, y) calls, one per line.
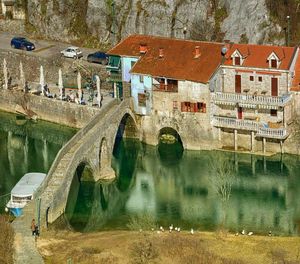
point(141, 79)
point(260, 79)
point(273, 112)
point(237, 61)
point(142, 100)
point(273, 63)
point(132, 63)
point(198, 107)
point(251, 78)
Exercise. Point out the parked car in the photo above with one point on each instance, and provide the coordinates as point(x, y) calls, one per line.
point(72, 52)
point(98, 57)
point(21, 43)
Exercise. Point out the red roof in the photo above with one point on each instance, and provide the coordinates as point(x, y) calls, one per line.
point(296, 80)
point(178, 61)
point(256, 56)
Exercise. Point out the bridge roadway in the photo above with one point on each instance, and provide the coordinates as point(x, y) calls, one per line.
point(92, 146)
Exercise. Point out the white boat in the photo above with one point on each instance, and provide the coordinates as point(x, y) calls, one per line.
point(24, 191)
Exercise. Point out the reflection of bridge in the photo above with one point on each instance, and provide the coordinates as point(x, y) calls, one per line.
point(92, 146)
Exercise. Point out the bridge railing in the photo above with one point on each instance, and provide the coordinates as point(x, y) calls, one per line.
point(64, 150)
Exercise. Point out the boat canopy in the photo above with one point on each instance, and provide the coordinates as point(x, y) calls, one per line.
point(28, 184)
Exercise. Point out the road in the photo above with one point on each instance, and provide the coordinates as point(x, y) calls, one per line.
point(44, 48)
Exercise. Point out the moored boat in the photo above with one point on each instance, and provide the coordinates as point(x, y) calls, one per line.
point(24, 191)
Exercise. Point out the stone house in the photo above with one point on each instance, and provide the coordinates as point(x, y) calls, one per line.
point(251, 95)
point(213, 95)
point(169, 81)
point(11, 9)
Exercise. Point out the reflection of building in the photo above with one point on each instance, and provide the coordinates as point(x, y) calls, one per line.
point(235, 95)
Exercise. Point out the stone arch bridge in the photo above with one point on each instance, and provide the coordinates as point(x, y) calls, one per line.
point(92, 146)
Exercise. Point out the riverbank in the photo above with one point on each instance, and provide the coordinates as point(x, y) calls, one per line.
point(120, 247)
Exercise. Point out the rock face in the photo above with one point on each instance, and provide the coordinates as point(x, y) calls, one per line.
point(111, 20)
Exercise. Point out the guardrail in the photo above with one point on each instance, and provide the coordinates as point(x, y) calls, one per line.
point(220, 98)
point(279, 133)
point(236, 123)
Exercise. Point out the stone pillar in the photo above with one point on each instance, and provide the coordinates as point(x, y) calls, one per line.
point(252, 141)
point(235, 140)
point(264, 145)
point(265, 164)
point(281, 147)
point(220, 134)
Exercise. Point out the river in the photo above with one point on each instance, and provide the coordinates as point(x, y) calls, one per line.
point(160, 186)
point(27, 146)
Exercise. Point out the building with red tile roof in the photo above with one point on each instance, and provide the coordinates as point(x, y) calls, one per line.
point(171, 58)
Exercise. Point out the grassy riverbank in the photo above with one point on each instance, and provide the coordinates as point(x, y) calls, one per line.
point(6, 240)
point(149, 247)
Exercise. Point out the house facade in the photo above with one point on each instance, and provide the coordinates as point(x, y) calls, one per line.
point(214, 95)
point(253, 99)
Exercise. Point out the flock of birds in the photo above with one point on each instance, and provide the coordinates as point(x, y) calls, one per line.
point(178, 229)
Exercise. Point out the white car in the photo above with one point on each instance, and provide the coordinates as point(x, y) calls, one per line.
point(72, 52)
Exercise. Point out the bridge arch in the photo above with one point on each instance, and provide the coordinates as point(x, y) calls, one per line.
point(169, 135)
point(127, 128)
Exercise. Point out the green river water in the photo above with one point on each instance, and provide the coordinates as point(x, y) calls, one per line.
point(162, 185)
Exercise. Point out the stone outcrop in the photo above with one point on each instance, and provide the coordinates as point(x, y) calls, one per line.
point(110, 20)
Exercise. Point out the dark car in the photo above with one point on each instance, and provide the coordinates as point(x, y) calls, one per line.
point(98, 57)
point(21, 43)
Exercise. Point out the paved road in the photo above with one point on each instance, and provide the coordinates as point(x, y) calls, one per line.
point(44, 48)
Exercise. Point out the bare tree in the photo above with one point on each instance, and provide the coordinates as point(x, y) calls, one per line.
point(222, 178)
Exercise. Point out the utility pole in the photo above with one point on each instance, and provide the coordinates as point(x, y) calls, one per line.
point(288, 30)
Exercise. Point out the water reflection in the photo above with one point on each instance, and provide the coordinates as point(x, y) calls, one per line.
point(25, 147)
point(265, 194)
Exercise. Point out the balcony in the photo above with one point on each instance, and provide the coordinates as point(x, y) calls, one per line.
point(258, 127)
point(173, 88)
point(233, 123)
point(278, 133)
point(251, 101)
point(115, 77)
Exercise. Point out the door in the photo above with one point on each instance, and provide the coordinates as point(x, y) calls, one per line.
point(238, 84)
point(274, 87)
point(240, 113)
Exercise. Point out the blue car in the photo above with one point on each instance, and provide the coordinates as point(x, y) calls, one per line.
point(98, 57)
point(21, 43)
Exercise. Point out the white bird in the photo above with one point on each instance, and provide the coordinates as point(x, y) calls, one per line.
point(175, 228)
point(243, 232)
point(250, 233)
point(161, 229)
point(158, 232)
point(237, 233)
point(178, 229)
point(152, 229)
point(270, 233)
point(192, 231)
point(171, 227)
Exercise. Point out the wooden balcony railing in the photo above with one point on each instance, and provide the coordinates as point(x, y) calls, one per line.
point(233, 98)
point(165, 87)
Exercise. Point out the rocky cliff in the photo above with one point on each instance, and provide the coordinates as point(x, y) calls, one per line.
point(111, 20)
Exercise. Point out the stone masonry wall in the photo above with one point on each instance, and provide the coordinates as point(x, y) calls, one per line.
point(51, 110)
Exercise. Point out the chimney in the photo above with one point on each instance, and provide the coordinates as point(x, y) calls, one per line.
point(197, 52)
point(143, 48)
point(161, 52)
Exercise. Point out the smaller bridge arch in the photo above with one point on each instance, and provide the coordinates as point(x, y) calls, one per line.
point(171, 135)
